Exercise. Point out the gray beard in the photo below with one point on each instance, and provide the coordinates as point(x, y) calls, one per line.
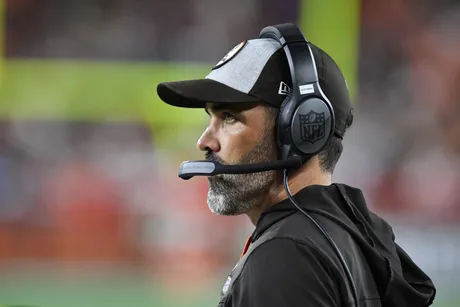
point(235, 194)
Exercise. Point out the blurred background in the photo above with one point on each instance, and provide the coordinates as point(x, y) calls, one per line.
point(92, 212)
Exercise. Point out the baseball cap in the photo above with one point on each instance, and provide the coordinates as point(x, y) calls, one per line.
point(257, 70)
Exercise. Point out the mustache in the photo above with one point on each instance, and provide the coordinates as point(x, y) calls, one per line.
point(212, 157)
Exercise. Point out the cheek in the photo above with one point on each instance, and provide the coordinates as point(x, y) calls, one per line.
point(236, 141)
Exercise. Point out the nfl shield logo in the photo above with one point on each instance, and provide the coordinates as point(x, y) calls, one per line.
point(312, 126)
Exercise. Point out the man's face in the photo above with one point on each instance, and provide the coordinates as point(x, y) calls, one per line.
point(238, 134)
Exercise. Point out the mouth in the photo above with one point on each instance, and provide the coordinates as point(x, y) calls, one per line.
point(211, 157)
point(217, 177)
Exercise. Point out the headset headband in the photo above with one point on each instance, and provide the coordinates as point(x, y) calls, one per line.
point(303, 68)
point(305, 99)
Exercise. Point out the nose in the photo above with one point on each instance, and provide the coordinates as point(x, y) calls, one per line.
point(208, 141)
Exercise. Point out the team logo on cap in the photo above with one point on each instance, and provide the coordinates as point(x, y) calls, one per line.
point(312, 126)
point(230, 54)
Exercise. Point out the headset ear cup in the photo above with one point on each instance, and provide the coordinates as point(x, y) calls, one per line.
point(279, 122)
point(312, 126)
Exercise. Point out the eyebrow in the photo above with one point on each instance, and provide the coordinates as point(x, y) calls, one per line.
point(219, 107)
point(229, 107)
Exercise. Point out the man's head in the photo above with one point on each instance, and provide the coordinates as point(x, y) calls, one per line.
point(241, 134)
point(243, 95)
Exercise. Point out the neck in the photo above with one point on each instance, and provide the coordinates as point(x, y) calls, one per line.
point(309, 174)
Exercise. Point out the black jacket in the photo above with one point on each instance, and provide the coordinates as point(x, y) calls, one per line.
point(291, 263)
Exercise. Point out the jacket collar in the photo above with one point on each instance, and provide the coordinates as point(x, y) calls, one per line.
point(317, 197)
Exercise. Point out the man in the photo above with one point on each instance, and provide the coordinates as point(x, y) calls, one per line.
point(287, 261)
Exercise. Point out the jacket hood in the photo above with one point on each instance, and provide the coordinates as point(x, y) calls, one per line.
point(399, 280)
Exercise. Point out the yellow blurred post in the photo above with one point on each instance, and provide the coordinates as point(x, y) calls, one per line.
point(2, 39)
point(333, 25)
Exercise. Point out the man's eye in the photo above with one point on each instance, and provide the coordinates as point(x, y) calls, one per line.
point(228, 118)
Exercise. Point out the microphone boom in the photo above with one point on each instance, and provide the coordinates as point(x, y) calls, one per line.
point(189, 169)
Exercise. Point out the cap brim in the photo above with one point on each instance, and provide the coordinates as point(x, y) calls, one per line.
point(196, 93)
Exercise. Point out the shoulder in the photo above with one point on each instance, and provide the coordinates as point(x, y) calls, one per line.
point(285, 272)
point(288, 254)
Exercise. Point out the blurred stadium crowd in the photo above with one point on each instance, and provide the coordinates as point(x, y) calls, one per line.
point(86, 191)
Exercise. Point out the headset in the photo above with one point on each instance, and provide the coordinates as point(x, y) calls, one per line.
point(306, 122)
point(305, 125)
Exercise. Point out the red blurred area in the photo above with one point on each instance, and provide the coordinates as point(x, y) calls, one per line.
point(85, 201)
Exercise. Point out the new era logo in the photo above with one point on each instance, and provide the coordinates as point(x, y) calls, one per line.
point(284, 89)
